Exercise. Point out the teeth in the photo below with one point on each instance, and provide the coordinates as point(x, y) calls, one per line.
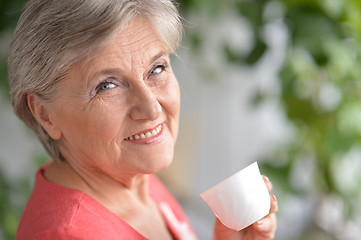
point(149, 134)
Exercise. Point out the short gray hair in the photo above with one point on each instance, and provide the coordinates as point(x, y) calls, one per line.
point(51, 35)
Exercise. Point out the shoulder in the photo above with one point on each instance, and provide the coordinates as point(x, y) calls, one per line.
point(49, 208)
point(56, 212)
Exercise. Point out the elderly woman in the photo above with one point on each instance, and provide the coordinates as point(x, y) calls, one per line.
point(93, 80)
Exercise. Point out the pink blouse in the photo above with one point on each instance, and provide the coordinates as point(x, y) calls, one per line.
point(56, 212)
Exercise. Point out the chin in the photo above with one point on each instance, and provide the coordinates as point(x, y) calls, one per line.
point(158, 164)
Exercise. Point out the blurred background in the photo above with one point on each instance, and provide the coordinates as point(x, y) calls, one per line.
point(273, 81)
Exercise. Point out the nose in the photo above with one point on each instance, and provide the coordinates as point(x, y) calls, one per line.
point(145, 104)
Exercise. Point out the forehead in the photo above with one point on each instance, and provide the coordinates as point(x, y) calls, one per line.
point(138, 40)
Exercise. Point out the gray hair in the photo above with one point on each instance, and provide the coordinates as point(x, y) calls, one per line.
point(51, 35)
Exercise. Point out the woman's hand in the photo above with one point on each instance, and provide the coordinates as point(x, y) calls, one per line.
point(263, 229)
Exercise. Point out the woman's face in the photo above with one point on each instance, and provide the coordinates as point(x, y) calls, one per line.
point(118, 109)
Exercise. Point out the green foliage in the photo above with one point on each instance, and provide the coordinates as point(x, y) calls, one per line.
point(322, 55)
point(12, 198)
point(211, 7)
point(7, 214)
point(10, 11)
point(4, 83)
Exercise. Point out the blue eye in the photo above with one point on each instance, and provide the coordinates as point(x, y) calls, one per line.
point(157, 70)
point(105, 86)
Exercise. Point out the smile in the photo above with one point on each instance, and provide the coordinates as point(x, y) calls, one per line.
point(148, 134)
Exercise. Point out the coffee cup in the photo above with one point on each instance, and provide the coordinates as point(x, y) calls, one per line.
point(239, 200)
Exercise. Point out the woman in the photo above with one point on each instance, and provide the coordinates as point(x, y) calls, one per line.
point(93, 80)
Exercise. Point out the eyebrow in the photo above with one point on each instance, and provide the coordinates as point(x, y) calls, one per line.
point(159, 55)
point(116, 71)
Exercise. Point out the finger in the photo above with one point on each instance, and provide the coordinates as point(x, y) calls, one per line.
point(267, 226)
point(267, 182)
point(274, 204)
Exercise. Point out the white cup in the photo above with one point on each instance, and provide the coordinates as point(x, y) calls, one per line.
point(241, 199)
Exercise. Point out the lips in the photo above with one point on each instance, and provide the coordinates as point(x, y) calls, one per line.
point(149, 134)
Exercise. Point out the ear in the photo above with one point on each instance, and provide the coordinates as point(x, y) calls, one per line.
point(42, 114)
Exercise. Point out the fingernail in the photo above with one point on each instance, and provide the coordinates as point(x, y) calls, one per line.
point(259, 222)
point(266, 178)
point(274, 197)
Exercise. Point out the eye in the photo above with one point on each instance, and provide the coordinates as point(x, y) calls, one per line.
point(157, 70)
point(106, 85)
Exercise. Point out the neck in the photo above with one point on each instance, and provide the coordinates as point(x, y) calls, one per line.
point(110, 192)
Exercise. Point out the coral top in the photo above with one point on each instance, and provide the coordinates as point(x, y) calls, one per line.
point(56, 212)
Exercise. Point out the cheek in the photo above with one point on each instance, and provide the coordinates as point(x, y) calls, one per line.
point(174, 100)
point(100, 123)
point(170, 100)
